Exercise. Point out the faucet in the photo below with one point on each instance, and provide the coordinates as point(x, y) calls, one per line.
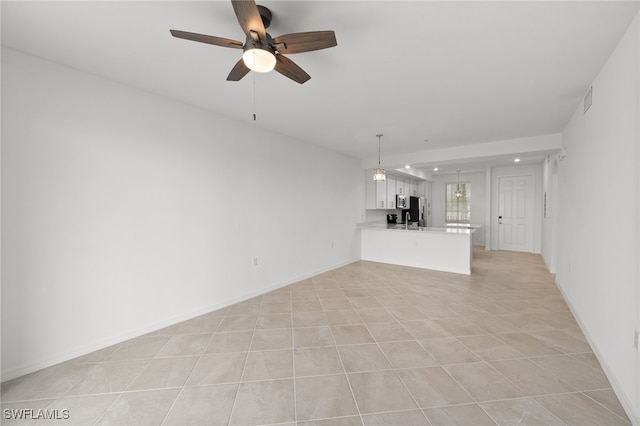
point(407, 217)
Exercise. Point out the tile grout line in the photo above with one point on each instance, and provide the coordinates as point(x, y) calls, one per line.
point(183, 386)
point(598, 402)
point(344, 370)
point(293, 362)
point(398, 376)
point(235, 399)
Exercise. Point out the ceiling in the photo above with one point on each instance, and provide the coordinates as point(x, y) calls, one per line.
point(428, 75)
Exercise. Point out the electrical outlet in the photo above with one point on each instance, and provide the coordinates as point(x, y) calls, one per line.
point(332, 245)
point(254, 261)
point(635, 340)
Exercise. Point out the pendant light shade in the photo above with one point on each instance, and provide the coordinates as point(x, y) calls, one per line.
point(379, 174)
point(458, 193)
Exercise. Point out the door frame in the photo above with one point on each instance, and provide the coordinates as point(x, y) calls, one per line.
point(534, 170)
point(529, 210)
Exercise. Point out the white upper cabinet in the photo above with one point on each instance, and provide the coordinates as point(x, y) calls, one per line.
point(391, 192)
point(382, 195)
point(411, 188)
point(376, 193)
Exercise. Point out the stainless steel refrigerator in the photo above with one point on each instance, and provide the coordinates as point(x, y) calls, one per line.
point(416, 210)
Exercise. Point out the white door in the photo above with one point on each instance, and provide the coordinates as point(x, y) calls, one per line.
point(515, 213)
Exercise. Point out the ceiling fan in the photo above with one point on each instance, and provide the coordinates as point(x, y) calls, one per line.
point(263, 53)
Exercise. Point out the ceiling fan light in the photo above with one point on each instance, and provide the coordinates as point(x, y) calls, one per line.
point(259, 60)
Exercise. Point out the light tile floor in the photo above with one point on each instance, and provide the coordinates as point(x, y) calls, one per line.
point(367, 343)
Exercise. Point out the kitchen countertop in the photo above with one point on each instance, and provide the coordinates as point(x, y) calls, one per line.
point(463, 225)
point(465, 229)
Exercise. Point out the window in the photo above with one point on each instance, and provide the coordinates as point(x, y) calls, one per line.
point(457, 209)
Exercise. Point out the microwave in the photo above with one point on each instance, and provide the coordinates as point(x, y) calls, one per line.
point(401, 201)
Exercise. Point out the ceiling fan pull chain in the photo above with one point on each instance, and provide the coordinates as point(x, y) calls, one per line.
point(254, 90)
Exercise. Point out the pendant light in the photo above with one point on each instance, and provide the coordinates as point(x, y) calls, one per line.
point(379, 174)
point(458, 193)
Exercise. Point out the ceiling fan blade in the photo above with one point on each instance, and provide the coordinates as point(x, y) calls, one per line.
point(288, 68)
point(305, 42)
point(238, 71)
point(202, 38)
point(249, 17)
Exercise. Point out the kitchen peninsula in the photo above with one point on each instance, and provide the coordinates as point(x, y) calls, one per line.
point(446, 249)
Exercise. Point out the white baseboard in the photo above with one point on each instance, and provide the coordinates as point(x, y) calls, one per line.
point(130, 334)
point(615, 385)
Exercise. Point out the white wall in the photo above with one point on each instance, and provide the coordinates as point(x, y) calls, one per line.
point(598, 218)
point(124, 212)
point(478, 199)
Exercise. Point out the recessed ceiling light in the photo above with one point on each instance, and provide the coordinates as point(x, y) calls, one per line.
point(435, 169)
point(407, 166)
point(517, 160)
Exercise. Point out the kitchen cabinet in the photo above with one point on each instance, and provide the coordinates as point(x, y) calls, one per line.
point(411, 188)
point(382, 195)
point(391, 192)
point(376, 193)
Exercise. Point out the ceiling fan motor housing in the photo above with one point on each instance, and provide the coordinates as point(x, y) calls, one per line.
point(266, 15)
point(266, 44)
